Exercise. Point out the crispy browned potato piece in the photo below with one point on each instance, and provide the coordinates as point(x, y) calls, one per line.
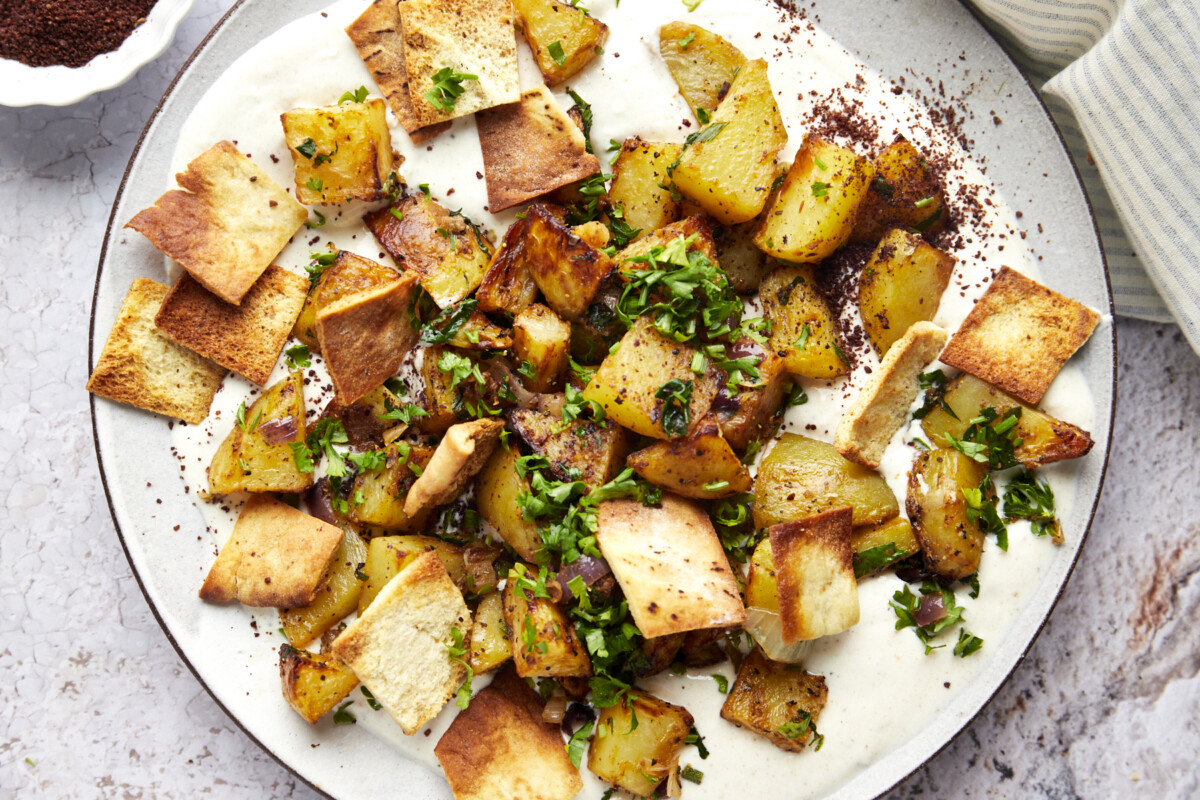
point(567, 269)
point(803, 329)
point(896, 534)
point(313, 684)
point(702, 63)
point(700, 465)
point(776, 701)
point(904, 193)
point(1044, 439)
point(900, 286)
point(802, 476)
point(750, 414)
point(341, 152)
point(508, 285)
point(637, 757)
point(543, 639)
point(383, 491)
point(951, 542)
point(541, 338)
point(596, 454)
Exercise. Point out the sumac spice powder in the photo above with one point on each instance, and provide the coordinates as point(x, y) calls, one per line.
point(43, 33)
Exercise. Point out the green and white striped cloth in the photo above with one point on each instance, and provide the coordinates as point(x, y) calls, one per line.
point(1122, 80)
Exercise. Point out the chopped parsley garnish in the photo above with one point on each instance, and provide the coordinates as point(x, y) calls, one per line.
point(695, 738)
point(796, 396)
point(307, 148)
point(802, 340)
point(442, 328)
point(799, 727)
point(371, 701)
point(356, 96)
point(320, 220)
point(685, 41)
point(575, 406)
point(241, 418)
point(722, 683)
point(906, 605)
point(934, 385)
point(1027, 497)
point(369, 459)
point(298, 357)
point(527, 369)
point(321, 260)
point(447, 88)
point(924, 202)
point(460, 369)
point(735, 526)
point(578, 742)
point(690, 773)
point(820, 189)
point(321, 439)
point(821, 165)
point(876, 558)
point(981, 509)
point(703, 115)
point(458, 652)
point(990, 438)
point(397, 213)
point(692, 5)
point(882, 188)
point(676, 395)
point(315, 183)
point(585, 117)
point(967, 644)
point(556, 52)
point(405, 413)
point(343, 716)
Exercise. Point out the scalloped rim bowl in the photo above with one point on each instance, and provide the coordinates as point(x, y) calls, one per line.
point(23, 85)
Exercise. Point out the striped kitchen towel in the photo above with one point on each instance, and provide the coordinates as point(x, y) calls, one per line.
point(1122, 80)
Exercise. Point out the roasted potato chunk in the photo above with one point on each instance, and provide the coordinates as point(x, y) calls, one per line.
point(387, 555)
point(337, 596)
point(639, 178)
point(341, 152)
point(702, 63)
point(740, 259)
point(629, 381)
point(729, 167)
point(700, 465)
point(489, 635)
point(498, 488)
point(695, 225)
point(901, 284)
point(951, 542)
point(750, 414)
point(904, 193)
point(364, 419)
point(638, 756)
point(383, 491)
point(814, 211)
point(247, 461)
point(441, 401)
point(801, 477)
point(479, 333)
point(564, 39)
point(567, 269)
point(579, 447)
point(542, 340)
point(1044, 439)
point(657, 654)
point(544, 643)
point(448, 253)
point(804, 332)
point(895, 536)
point(313, 684)
point(508, 285)
point(777, 702)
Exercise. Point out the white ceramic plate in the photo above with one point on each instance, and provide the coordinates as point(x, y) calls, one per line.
point(23, 85)
point(164, 535)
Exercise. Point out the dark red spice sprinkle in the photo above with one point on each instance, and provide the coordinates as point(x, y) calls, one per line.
point(43, 33)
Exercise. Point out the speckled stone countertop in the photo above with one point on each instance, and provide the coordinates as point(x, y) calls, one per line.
point(94, 702)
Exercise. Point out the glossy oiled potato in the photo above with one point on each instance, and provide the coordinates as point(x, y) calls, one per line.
point(700, 465)
point(641, 185)
point(383, 490)
point(542, 340)
point(638, 756)
point(904, 193)
point(341, 152)
point(312, 683)
point(774, 700)
point(544, 643)
point(801, 477)
point(593, 452)
point(951, 542)
point(247, 462)
point(387, 555)
point(567, 270)
point(702, 63)
point(563, 38)
point(895, 532)
point(489, 635)
point(498, 488)
point(901, 284)
point(337, 596)
point(803, 330)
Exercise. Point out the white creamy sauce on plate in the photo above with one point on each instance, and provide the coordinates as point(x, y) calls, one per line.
point(882, 688)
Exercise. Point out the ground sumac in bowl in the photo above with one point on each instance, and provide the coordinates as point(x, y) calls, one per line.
point(43, 33)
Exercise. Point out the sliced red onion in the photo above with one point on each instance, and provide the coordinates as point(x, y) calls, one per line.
point(576, 716)
point(725, 402)
point(591, 569)
point(746, 346)
point(316, 499)
point(931, 610)
point(280, 430)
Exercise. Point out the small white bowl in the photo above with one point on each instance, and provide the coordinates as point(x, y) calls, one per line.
point(23, 85)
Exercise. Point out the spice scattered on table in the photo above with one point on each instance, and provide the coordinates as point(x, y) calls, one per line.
point(71, 33)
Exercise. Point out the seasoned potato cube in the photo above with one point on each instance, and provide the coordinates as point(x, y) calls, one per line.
point(741, 260)
point(383, 491)
point(564, 39)
point(702, 63)
point(1044, 439)
point(729, 168)
point(700, 465)
point(442, 402)
point(363, 419)
point(901, 284)
point(803, 330)
point(627, 384)
point(695, 225)
point(508, 284)
point(497, 491)
point(637, 742)
point(542, 339)
point(337, 596)
point(801, 477)
point(579, 447)
point(247, 461)
point(478, 333)
point(489, 635)
point(340, 152)
point(814, 211)
point(777, 701)
point(313, 684)
point(658, 653)
point(750, 414)
point(544, 643)
point(703, 648)
point(387, 555)
point(639, 178)
point(567, 269)
point(904, 193)
point(896, 538)
point(762, 607)
point(444, 249)
point(814, 575)
point(951, 542)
